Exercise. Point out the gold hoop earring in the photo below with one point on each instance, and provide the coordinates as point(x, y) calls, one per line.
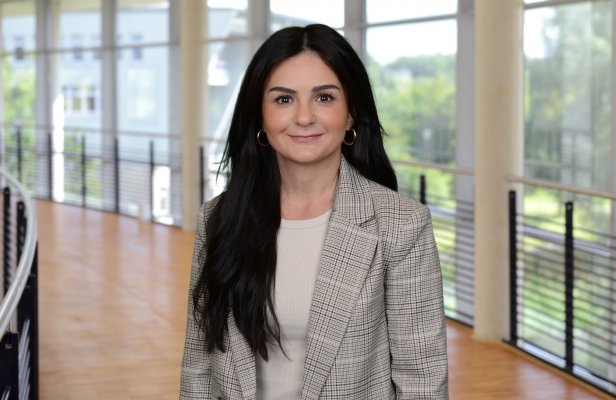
point(352, 142)
point(259, 139)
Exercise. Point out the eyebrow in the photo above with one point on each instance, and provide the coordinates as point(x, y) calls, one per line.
point(314, 89)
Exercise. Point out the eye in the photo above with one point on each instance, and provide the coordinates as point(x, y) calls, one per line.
point(283, 99)
point(325, 97)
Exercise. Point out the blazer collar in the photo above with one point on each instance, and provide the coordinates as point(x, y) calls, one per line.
point(352, 200)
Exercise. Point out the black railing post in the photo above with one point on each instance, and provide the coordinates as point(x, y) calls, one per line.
point(20, 150)
point(9, 366)
point(422, 189)
point(513, 270)
point(20, 231)
point(201, 175)
point(152, 167)
point(116, 174)
point(50, 164)
point(6, 239)
point(84, 183)
point(569, 277)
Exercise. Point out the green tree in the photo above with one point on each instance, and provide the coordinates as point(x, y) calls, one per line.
point(18, 83)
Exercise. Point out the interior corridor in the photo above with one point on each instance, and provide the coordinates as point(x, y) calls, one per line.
point(112, 301)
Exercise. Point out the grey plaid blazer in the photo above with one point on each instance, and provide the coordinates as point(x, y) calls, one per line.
point(376, 328)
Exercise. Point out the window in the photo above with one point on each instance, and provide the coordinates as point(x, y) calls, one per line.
point(298, 12)
point(396, 10)
point(568, 93)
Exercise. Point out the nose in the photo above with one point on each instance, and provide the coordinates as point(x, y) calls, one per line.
point(305, 114)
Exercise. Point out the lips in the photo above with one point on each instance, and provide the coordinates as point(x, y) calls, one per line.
point(305, 138)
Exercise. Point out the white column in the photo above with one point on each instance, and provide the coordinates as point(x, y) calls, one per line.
point(56, 101)
point(612, 368)
point(465, 129)
point(258, 21)
point(43, 101)
point(354, 31)
point(191, 72)
point(499, 152)
point(109, 117)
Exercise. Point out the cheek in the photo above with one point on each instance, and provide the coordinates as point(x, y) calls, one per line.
point(273, 119)
point(340, 120)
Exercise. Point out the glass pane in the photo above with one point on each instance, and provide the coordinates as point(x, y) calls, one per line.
point(568, 93)
point(18, 84)
point(77, 103)
point(392, 10)
point(415, 90)
point(18, 129)
point(143, 89)
point(299, 12)
point(142, 21)
point(227, 18)
point(79, 25)
point(18, 27)
point(226, 64)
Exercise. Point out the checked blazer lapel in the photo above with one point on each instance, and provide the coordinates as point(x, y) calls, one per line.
point(346, 259)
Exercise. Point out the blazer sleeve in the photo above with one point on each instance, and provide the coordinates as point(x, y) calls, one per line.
point(415, 312)
point(196, 364)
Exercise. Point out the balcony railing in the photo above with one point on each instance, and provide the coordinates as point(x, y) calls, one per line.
point(444, 190)
point(18, 310)
point(563, 280)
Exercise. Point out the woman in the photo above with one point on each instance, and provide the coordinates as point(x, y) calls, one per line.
point(312, 278)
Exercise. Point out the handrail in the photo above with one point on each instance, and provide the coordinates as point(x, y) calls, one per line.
point(11, 300)
point(102, 131)
point(561, 187)
point(112, 133)
point(440, 167)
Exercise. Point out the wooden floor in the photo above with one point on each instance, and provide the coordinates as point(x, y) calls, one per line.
point(113, 292)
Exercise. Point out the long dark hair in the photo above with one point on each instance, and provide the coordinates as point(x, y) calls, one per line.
point(240, 251)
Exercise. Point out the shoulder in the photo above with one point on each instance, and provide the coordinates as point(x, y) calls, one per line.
point(206, 210)
point(203, 217)
point(361, 200)
point(398, 208)
point(401, 221)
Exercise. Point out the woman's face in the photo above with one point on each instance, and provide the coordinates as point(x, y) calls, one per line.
point(305, 113)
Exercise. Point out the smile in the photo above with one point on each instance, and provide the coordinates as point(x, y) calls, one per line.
point(306, 138)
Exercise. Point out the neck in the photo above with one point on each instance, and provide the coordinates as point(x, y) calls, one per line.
point(307, 191)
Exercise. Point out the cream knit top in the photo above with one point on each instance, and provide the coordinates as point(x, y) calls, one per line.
point(300, 243)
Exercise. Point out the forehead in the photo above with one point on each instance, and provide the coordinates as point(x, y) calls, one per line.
point(306, 69)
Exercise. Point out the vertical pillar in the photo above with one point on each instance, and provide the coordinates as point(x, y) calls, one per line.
point(50, 79)
point(191, 48)
point(175, 114)
point(258, 21)
point(612, 368)
point(465, 137)
point(499, 152)
point(109, 120)
point(43, 100)
point(354, 22)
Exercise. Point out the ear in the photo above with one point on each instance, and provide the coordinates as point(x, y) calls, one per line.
point(350, 122)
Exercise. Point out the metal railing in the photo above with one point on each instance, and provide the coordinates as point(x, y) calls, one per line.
point(19, 307)
point(130, 173)
point(453, 223)
point(563, 283)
